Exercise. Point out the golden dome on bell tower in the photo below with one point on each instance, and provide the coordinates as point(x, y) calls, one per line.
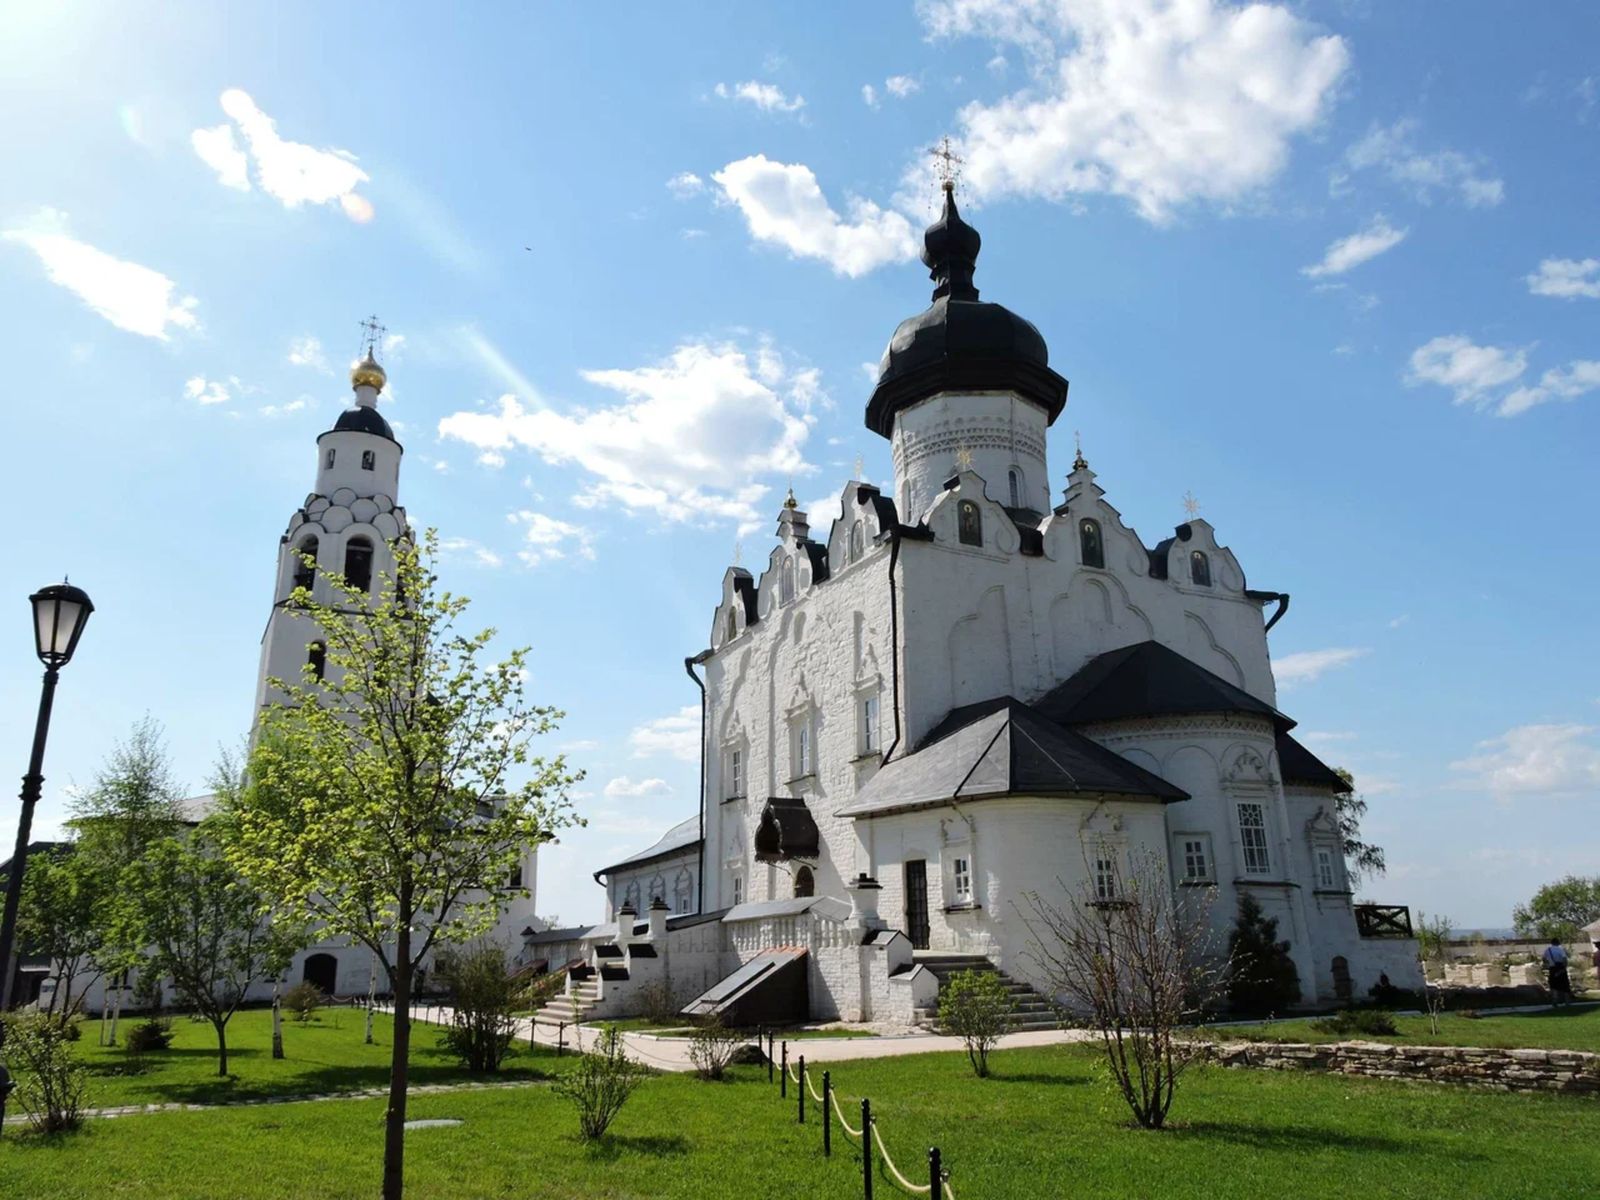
point(368, 373)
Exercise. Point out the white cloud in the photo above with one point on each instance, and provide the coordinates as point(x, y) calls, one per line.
point(1362, 246)
point(459, 549)
point(869, 95)
point(209, 391)
point(1577, 378)
point(1567, 279)
point(1309, 665)
point(1396, 622)
point(1164, 103)
point(132, 297)
point(901, 86)
point(677, 736)
point(293, 173)
point(783, 204)
point(1536, 758)
point(1392, 150)
point(283, 410)
point(307, 352)
point(768, 97)
point(685, 184)
point(689, 440)
point(1471, 371)
point(549, 539)
point(624, 786)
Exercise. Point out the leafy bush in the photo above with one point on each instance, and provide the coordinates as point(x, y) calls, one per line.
point(483, 999)
point(1262, 977)
point(541, 989)
point(976, 1007)
point(154, 1034)
point(1373, 1022)
point(303, 1000)
point(712, 1048)
point(656, 1005)
point(51, 1082)
point(601, 1083)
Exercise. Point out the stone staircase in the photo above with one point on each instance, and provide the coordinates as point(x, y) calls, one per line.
point(1030, 1009)
point(570, 1009)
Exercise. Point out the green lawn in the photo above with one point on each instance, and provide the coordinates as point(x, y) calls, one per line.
point(1551, 1029)
point(325, 1054)
point(1046, 1126)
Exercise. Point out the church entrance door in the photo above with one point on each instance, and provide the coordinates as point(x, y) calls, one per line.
point(322, 970)
point(917, 903)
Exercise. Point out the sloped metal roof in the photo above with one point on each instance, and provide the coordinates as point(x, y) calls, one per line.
point(1147, 680)
point(679, 837)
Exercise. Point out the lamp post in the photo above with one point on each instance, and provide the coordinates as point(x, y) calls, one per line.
point(59, 614)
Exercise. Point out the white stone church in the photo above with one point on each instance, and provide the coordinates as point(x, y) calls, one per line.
point(962, 691)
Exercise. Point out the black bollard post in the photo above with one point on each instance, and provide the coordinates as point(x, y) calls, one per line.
point(561, 1038)
point(935, 1176)
point(801, 1090)
point(783, 1075)
point(769, 1056)
point(866, 1149)
point(827, 1116)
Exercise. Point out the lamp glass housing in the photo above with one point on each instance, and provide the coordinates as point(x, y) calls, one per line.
point(59, 614)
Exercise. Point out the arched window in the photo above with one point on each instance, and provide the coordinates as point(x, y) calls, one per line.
point(786, 586)
point(658, 890)
point(329, 458)
point(1199, 568)
point(368, 460)
point(317, 658)
point(805, 883)
point(732, 630)
point(858, 540)
point(969, 523)
point(683, 891)
point(1093, 550)
point(1014, 478)
point(358, 564)
point(305, 574)
point(630, 898)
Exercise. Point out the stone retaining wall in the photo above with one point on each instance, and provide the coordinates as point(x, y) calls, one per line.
point(1569, 1071)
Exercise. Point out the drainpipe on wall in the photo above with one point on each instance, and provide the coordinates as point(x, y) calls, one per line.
point(689, 665)
point(896, 535)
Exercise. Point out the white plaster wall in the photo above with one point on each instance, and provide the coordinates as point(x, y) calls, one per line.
point(1000, 431)
point(664, 872)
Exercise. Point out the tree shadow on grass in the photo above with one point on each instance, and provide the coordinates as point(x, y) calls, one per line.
point(613, 1146)
point(1303, 1137)
point(1037, 1077)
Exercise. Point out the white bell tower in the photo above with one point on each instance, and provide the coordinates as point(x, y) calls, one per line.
point(349, 522)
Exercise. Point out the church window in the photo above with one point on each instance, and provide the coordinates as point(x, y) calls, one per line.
point(658, 890)
point(358, 564)
point(858, 540)
point(630, 898)
point(1253, 838)
point(805, 883)
point(1199, 568)
point(735, 772)
point(317, 658)
point(738, 889)
point(1093, 549)
point(1326, 879)
point(305, 574)
point(803, 754)
point(514, 878)
point(683, 892)
point(1195, 854)
point(1105, 875)
point(328, 458)
point(733, 626)
point(869, 724)
point(1014, 479)
point(786, 586)
point(961, 880)
point(969, 523)
point(369, 460)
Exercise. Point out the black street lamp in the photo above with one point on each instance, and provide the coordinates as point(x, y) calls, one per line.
point(59, 614)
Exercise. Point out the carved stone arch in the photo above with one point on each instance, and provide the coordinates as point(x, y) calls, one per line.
point(1245, 764)
point(1322, 823)
point(1208, 652)
point(800, 695)
point(1192, 767)
point(869, 670)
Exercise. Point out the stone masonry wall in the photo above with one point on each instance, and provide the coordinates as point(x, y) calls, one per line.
point(1569, 1071)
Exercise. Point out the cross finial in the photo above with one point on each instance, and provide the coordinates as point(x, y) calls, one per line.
point(738, 553)
point(1191, 506)
point(1080, 462)
point(789, 501)
point(947, 164)
point(372, 331)
point(861, 465)
point(963, 457)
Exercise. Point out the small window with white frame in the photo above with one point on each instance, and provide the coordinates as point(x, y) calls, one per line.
point(735, 787)
point(1105, 874)
point(802, 753)
point(1194, 858)
point(1327, 876)
point(1253, 838)
point(870, 740)
point(738, 889)
point(961, 879)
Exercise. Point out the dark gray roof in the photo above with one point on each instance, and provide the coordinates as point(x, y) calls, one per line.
point(363, 418)
point(1003, 747)
point(1296, 764)
point(682, 836)
point(787, 830)
point(1147, 680)
point(829, 905)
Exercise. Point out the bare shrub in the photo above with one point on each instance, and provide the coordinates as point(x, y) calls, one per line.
point(601, 1083)
point(1139, 966)
point(656, 1004)
point(52, 1081)
point(712, 1048)
point(483, 1000)
point(976, 1007)
point(303, 1000)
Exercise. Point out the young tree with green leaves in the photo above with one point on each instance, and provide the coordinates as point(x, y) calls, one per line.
point(64, 915)
point(1560, 909)
point(1362, 858)
point(384, 802)
point(1262, 976)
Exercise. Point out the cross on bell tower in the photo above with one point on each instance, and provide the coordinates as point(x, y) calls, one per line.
point(372, 331)
point(947, 164)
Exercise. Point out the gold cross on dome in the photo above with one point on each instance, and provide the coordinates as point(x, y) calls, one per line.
point(861, 465)
point(738, 553)
point(372, 331)
point(1191, 506)
point(947, 164)
point(963, 457)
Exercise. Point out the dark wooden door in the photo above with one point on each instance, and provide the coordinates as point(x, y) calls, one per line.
point(917, 903)
point(322, 970)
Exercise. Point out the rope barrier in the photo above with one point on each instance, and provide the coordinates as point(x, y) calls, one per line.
point(894, 1171)
point(839, 1112)
point(815, 1095)
point(832, 1097)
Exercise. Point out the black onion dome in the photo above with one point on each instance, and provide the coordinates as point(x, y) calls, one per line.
point(961, 343)
point(363, 419)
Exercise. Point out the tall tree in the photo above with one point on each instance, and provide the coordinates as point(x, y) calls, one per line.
point(1361, 858)
point(65, 899)
point(1560, 909)
point(383, 802)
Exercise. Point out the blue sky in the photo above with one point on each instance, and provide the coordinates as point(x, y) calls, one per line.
point(1331, 267)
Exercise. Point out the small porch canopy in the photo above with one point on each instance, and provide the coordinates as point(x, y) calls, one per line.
point(787, 831)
